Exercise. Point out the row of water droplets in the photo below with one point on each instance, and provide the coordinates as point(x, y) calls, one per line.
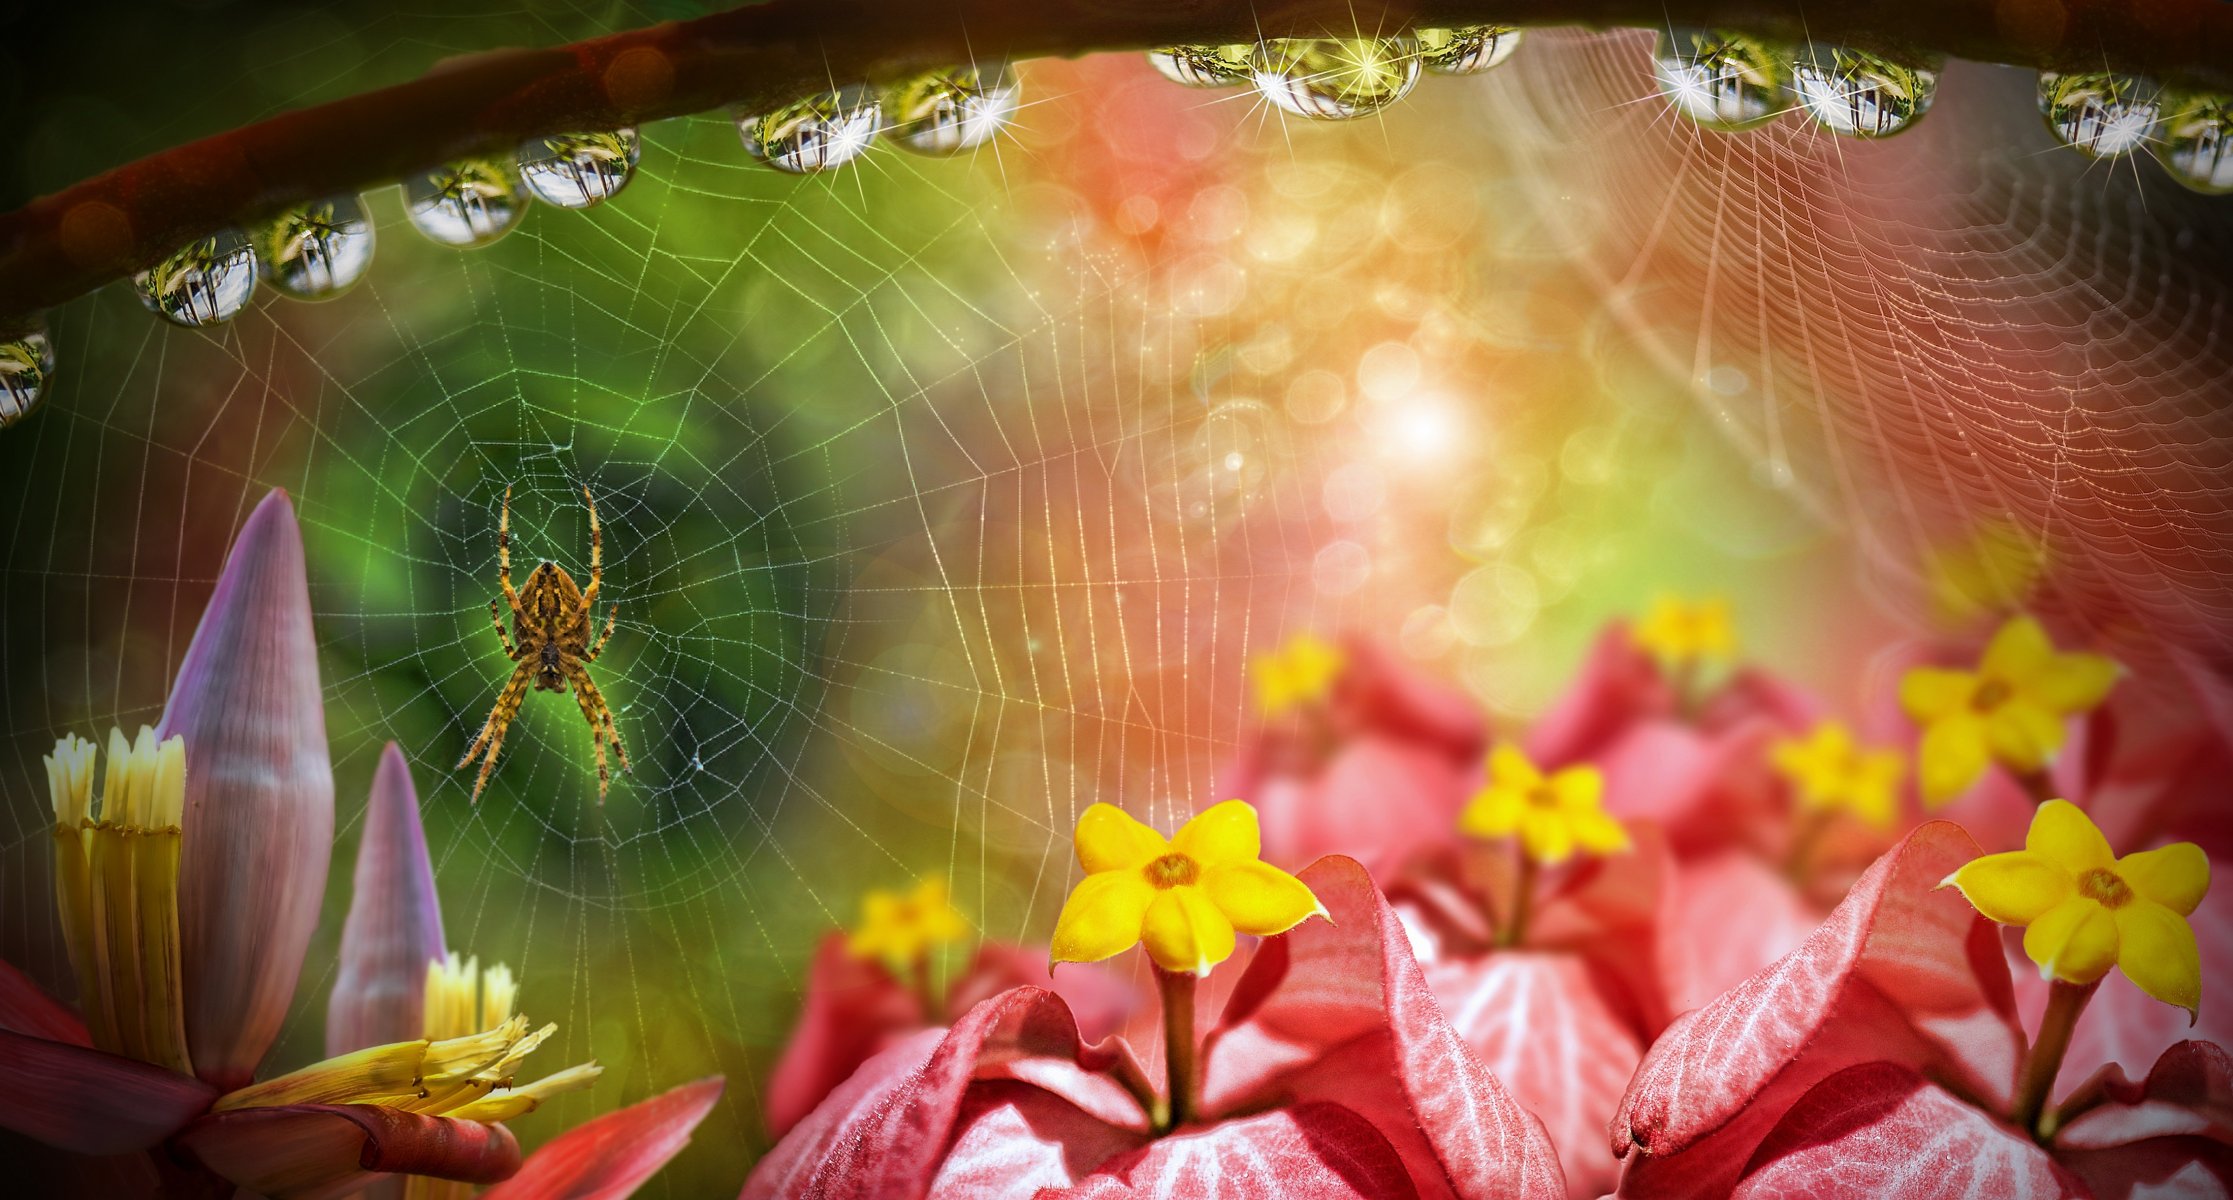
point(1338, 79)
point(318, 250)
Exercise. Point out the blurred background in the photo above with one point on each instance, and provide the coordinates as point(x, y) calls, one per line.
point(945, 497)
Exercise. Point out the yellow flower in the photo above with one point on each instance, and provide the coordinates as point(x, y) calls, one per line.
point(1184, 897)
point(2010, 709)
point(1553, 815)
point(1301, 672)
point(902, 928)
point(2085, 910)
point(1677, 632)
point(1830, 772)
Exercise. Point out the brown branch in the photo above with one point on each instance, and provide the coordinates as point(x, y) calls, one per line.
point(63, 245)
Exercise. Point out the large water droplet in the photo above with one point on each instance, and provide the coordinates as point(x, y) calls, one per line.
point(1204, 66)
point(316, 251)
point(817, 133)
point(26, 365)
point(1335, 79)
point(468, 203)
point(1722, 80)
point(2196, 141)
point(2103, 114)
point(1467, 50)
point(944, 112)
point(1860, 94)
point(208, 281)
point(576, 170)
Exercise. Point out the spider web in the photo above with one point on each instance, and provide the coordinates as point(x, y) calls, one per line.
point(944, 498)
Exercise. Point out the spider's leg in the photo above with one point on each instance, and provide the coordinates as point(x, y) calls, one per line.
point(611, 614)
point(596, 552)
point(498, 723)
point(496, 616)
point(504, 551)
point(600, 722)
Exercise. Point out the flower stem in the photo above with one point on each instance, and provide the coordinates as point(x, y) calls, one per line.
point(1523, 901)
point(2064, 1002)
point(1813, 824)
point(925, 991)
point(2036, 785)
point(1177, 988)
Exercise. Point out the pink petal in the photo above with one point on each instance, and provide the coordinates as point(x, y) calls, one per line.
point(1321, 1151)
point(1378, 799)
point(1099, 998)
point(1617, 686)
point(1901, 972)
point(1337, 1010)
point(259, 798)
point(395, 921)
point(305, 1151)
point(1728, 916)
point(1014, 1138)
point(1879, 1129)
point(609, 1157)
point(1541, 1026)
point(854, 1008)
point(89, 1101)
point(25, 1007)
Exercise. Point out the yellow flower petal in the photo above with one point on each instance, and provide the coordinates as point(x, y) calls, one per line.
point(1580, 787)
point(1258, 898)
point(1185, 933)
point(1598, 832)
point(2175, 876)
point(2064, 835)
point(1104, 916)
point(1493, 813)
point(2019, 653)
point(2075, 683)
point(1951, 757)
point(2076, 941)
point(1225, 833)
point(2023, 736)
point(1546, 836)
point(2015, 888)
point(1509, 767)
point(1108, 839)
point(1928, 693)
point(2156, 951)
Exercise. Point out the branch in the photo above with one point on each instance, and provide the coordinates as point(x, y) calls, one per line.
point(63, 245)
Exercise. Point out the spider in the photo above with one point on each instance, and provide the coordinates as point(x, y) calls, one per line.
point(551, 619)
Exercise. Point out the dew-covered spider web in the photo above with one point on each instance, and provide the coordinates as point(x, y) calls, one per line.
point(943, 498)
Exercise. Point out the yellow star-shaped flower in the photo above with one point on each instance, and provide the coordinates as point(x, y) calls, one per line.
point(1830, 772)
point(2011, 709)
point(1678, 632)
point(1184, 897)
point(1553, 815)
point(1301, 672)
point(901, 929)
point(2084, 910)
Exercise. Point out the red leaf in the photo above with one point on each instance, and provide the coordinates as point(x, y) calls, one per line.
point(1901, 972)
point(609, 1157)
point(1617, 686)
point(1013, 1138)
point(1879, 1129)
point(313, 1151)
point(854, 1008)
point(1377, 798)
point(1099, 998)
point(1337, 1010)
point(89, 1101)
point(2188, 1093)
point(1707, 790)
point(1320, 1151)
point(1728, 916)
point(1380, 695)
point(26, 1008)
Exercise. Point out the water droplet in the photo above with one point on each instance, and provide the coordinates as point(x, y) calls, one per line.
point(1860, 94)
point(2196, 141)
point(1722, 80)
point(468, 203)
point(945, 112)
point(1335, 79)
point(2101, 114)
point(209, 281)
point(316, 251)
point(1204, 66)
point(1467, 50)
point(815, 134)
point(577, 170)
point(26, 364)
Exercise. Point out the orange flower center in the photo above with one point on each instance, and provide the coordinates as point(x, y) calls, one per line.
point(1990, 694)
point(1171, 870)
point(1542, 796)
point(2104, 887)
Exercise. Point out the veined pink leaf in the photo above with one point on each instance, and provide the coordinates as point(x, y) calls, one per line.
point(320, 1151)
point(395, 921)
point(1013, 1139)
point(1099, 998)
point(2188, 1093)
point(1320, 1151)
point(1380, 695)
point(853, 1009)
point(1902, 972)
point(26, 1008)
point(1879, 1129)
point(1706, 790)
point(1617, 686)
point(1378, 799)
point(609, 1157)
point(89, 1101)
point(1728, 916)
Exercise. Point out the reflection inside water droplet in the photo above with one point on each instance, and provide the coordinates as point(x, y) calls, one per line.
point(1467, 50)
point(1204, 66)
point(1860, 94)
point(468, 203)
point(208, 281)
point(317, 250)
point(2102, 114)
point(944, 112)
point(814, 134)
point(26, 365)
point(1722, 80)
point(577, 170)
point(2196, 141)
point(1335, 79)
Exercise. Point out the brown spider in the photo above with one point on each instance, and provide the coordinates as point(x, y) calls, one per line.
point(551, 620)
